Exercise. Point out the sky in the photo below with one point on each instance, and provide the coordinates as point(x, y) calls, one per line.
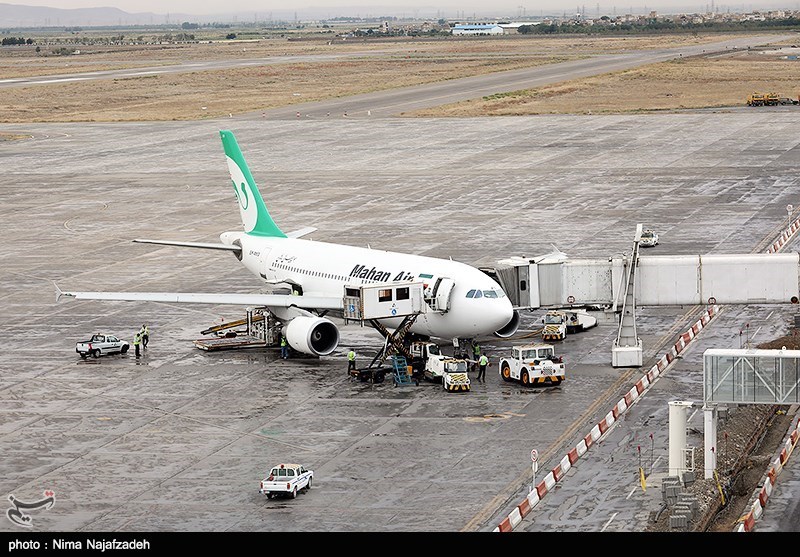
point(446, 8)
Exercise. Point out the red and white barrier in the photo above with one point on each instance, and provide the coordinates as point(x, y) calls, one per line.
point(748, 521)
point(569, 460)
point(787, 234)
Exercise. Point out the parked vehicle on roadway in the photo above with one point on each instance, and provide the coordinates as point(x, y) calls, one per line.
point(101, 344)
point(286, 480)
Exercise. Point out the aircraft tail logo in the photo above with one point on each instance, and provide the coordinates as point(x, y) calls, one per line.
point(255, 217)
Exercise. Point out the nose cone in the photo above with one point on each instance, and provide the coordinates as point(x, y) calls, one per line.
point(504, 311)
point(507, 319)
point(470, 317)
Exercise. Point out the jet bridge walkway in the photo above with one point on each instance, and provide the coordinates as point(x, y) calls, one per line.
point(620, 284)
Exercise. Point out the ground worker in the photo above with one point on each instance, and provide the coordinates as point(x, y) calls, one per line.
point(476, 354)
point(351, 361)
point(145, 334)
point(137, 340)
point(284, 348)
point(482, 363)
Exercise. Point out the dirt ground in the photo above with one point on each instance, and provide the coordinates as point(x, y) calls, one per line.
point(696, 82)
point(378, 65)
point(24, 61)
point(211, 94)
point(747, 442)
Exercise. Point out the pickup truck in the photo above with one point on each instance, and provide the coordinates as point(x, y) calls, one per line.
point(101, 344)
point(286, 480)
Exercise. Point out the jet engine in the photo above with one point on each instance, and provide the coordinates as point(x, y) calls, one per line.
point(509, 328)
point(312, 335)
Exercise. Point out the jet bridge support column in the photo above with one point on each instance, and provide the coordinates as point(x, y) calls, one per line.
point(677, 436)
point(710, 440)
point(627, 348)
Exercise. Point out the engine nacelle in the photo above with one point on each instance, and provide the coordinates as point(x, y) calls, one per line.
point(312, 335)
point(510, 328)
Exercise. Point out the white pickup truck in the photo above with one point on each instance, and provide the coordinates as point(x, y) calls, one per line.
point(287, 480)
point(101, 344)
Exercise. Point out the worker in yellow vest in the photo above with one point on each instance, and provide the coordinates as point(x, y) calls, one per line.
point(284, 348)
point(145, 336)
point(351, 361)
point(137, 340)
point(482, 363)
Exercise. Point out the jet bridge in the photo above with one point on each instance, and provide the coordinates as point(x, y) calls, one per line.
point(621, 283)
point(744, 376)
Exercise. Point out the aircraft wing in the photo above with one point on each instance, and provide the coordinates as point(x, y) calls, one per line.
point(268, 300)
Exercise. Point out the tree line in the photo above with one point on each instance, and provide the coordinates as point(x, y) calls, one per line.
point(16, 40)
point(659, 25)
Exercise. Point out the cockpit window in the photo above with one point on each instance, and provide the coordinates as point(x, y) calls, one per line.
point(486, 293)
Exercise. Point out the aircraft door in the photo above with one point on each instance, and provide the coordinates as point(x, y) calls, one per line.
point(441, 293)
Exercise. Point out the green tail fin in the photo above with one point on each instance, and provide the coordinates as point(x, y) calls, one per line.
point(255, 217)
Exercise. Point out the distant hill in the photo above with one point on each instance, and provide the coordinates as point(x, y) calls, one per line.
point(14, 15)
point(17, 15)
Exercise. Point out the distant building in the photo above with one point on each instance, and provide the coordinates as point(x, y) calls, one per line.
point(510, 28)
point(478, 29)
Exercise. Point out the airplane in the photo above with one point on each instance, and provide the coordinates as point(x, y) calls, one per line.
point(317, 273)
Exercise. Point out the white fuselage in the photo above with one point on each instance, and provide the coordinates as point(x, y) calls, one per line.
point(323, 269)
